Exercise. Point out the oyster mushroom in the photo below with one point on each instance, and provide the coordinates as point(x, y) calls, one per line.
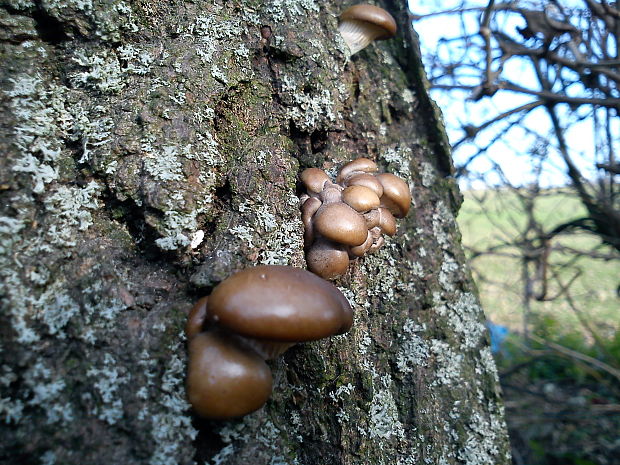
point(327, 259)
point(360, 198)
point(362, 24)
point(340, 223)
point(314, 179)
point(308, 209)
point(254, 315)
point(396, 195)
point(357, 166)
point(360, 250)
point(367, 180)
point(279, 303)
point(349, 218)
point(196, 318)
point(225, 379)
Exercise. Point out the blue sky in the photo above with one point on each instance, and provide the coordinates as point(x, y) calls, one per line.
point(509, 153)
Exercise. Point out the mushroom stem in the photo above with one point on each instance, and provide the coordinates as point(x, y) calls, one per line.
point(358, 34)
point(268, 350)
point(363, 23)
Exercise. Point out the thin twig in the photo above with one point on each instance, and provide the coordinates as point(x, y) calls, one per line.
point(578, 356)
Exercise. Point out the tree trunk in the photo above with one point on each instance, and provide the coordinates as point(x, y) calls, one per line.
point(152, 148)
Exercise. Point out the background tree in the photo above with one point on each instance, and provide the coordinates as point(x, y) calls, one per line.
point(549, 68)
point(150, 150)
point(530, 92)
point(554, 59)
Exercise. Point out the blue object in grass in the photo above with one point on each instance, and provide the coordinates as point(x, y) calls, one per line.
point(498, 335)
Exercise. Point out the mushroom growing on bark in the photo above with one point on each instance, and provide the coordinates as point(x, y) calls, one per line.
point(361, 24)
point(224, 378)
point(253, 316)
point(347, 219)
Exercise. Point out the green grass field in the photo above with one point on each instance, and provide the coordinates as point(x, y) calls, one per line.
point(495, 218)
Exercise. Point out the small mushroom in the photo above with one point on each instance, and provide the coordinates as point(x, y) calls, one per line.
point(360, 198)
point(224, 379)
point(372, 218)
point(314, 179)
point(396, 195)
point(387, 222)
point(340, 223)
point(366, 180)
point(327, 260)
point(357, 166)
point(363, 23)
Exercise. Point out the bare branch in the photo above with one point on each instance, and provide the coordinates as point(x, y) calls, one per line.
point(578, 356)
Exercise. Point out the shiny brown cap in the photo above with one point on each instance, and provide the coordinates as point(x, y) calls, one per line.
point(359, 165)
point(387, 222)
point(327, 260)
point(396, 195)
point(360, 198)
point(314, 179)
point(339, 223)
point(279, 303)
point(366, 180)
point(225, 380)
point(373, 15)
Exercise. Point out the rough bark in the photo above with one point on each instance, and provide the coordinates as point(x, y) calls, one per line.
point(129, 130)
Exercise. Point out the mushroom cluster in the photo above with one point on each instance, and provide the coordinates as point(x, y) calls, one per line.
point(347, 219)
point(363, 23)
point(253, 316)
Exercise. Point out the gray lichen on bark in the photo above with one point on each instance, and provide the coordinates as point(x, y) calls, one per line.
point(150, 150)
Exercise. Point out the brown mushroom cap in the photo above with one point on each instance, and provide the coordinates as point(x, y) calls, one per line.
point(373, 15)
point(196, 318)
point(225, 380)
point(314, 179)
point(361, 165)
point(339, 223)
point(387, 222)
point(279, 303)
point(396, 195)
point(328, 260)
point(360, 198)
point(366, 180)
